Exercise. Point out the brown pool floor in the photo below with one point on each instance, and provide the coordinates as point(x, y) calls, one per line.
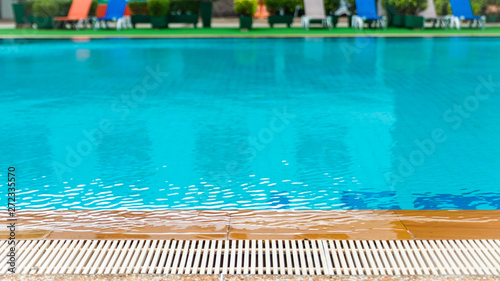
point(194, 224)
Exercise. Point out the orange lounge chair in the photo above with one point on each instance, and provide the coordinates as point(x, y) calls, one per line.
point(101, 10)
point(262, 12)
point(78, 13)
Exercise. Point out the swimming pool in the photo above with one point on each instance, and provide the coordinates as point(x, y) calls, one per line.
point(353, 123)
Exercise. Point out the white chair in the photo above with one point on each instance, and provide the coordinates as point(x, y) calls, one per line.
point(315, 10)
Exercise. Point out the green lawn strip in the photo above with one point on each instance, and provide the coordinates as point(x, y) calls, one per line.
point(234, 32)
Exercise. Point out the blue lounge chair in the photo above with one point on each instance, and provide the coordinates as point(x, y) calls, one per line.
point(114, 12)
point(367, 11)
point(462, 10)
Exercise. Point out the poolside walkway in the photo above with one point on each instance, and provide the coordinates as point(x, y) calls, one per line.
point(228, 28)
point(194, 224)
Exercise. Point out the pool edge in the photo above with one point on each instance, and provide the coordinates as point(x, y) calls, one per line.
point(228, 225)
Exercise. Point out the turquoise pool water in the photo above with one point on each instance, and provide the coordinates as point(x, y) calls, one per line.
point(359, 123)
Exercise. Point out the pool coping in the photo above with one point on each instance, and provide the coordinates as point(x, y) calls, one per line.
point(209, 36)
point(281, 224)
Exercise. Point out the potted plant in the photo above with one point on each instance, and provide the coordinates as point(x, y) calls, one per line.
point(18, 11)
point(412, 9)
point(245, 9)
point(281, 11)
point(492, 10)
point(139, 12)
point(45, 11)
point(184, 11)
point(330, 7)
point(158, 11)
point(406, 12)
point(28, 12)
point(206, 7)
point(393, 17)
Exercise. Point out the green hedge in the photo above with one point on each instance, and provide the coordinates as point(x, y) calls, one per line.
point(288, 6)
point(245, 7)
point(408, 7)
point(50, 8)
point(184, 7)
point(138, 7)
point(331, 6)
point(157, 8)
point(53, 7)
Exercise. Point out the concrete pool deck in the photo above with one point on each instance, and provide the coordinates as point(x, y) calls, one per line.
point(293, 225)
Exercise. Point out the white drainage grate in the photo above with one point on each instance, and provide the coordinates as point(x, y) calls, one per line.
point(291, 257)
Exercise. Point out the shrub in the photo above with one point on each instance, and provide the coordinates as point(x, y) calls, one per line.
point(491, 10)
point(157, 8)
point(28, 7)
point(47, 8)
point(351, 5)
point(478, 6)
point(443, 7)
point(331, 6)
point(65, 5)
point(408, 7)
point(138, 7)
point(184, 7)
point(286, 7)
point(93, 8)
point(245, 7)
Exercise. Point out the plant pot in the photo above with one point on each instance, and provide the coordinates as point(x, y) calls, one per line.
point(44, 22)
point(414, 22)
point(18, 11)
point(30, 19)
point(206, 13)
point(334, 19)
point(135, 19)
point(246, 22)
point(398, 20)
point(491, 18)
point(159, 21)
point(279, 19)
point(183, 18)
